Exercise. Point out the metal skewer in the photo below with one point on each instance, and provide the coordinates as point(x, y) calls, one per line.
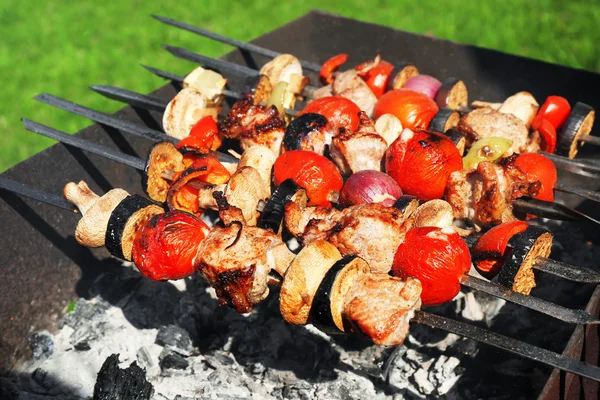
point(242, 45)
point(222, 65)
point(446, 324)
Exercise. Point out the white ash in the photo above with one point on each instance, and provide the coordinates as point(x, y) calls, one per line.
point(215, 353)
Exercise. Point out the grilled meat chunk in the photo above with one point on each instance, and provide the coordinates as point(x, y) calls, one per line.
point(254, 126)
point(236, 261)
point(360, 150)
point(310, 223)
point(486, 122)
point(350, 85)
point(381, 306)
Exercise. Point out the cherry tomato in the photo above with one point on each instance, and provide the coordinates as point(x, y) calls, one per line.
point(556, 110)
point(311, 171)
point(539, 168)
point(377, 77)
point(165, 247)
point(421, 163)
point(488, 252)
point(203, 137)
point(548, 133)
point(438, 258)
point(339, 111)
point(415, 110)
point(330, 66)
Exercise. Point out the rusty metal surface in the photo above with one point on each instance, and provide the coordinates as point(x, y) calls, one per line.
point(44, 268)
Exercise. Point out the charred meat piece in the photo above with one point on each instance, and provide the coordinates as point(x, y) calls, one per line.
point(350, 85)
point(308, 132)
point(254, 126)
point(372, 232)
point(236, 261)
point(380, 307)
point(310, 223)
point(486, 122)
point(360, 150)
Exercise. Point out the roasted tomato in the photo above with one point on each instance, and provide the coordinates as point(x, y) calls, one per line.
point(376, 76)
point(339, 111)
point(330, 66)
point(311, 171)
point(414, 109)
point(436, 257)
point(203, 137)
point(165, 247)
point(421, 163)
point(488, 252)
point(539, 168)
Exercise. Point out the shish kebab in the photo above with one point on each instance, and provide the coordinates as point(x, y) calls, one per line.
point(532, 206)
point(336, 297)
point(425, 214)
point(306, 64)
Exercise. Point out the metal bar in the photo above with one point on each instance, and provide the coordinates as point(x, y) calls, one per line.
point(551, 210)
point(587, 194)
point(115, 122)
point(36, 194)
point(578, 166)
point(106, 119)
point(509, 344)
point(593, 140)
point(567, 271)
point(545, 307)
point(129, 97)
point(221, 65)
point(242, 45)
point(83, 144)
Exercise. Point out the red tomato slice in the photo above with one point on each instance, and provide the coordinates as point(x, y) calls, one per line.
point(339, 111)
point(414, 109)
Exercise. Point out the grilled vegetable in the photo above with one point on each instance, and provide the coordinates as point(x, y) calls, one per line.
point(125, 221)
point(328, 303)
point(537, 167)
point(307, 132)
point(365, 187)
point(452, 94)
point(556, 110)
point(272, 213)
point(437, 213)
point(209, 83)
point(458, 138)
point(388, 127)
point(426, 84)
point(522, 105)
point(285, 68)
point(401, 74)
point(578, 124)
point(312, 172)
point(165, 247)
point(414, 110)
point(330, 66)
point(444, 120)
point(184, 111)
point(489, 251)
point(203, 137)
point(517, 270)
point(421, 163)
point(339, 111)
point(376, 75)
point(95, 211)
point(281, 98)
point(547, 133)
point(302, 280)
point(436, 257)
point(488, 149)
point(162, 156)
point(258, 89)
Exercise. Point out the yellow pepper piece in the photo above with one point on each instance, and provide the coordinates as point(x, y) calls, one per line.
point(488, 149)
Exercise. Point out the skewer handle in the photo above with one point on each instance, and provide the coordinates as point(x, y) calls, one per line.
point(35, 194)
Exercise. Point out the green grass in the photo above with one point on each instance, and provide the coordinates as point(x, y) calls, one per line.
point(61, 47)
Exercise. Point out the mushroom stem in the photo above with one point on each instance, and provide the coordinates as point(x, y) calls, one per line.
point(81, 195)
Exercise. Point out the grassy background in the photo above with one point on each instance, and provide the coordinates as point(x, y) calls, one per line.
point(62, 46)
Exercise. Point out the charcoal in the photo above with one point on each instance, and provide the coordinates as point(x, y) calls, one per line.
point(114, 383)
point(174, 338)
point(42, 345)
point(84, 311)
point(45, 381)
point(82, 346)
point(173, 360)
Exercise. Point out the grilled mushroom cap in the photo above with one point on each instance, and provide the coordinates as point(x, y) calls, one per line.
point(185, 110)
point(389, 127)
point(244, 190)
point(302, 279)
point(522, 105)
point(407, 204)
point(125, 220)
point(517, 271)
point(285, 68)
point(261, 159)
point(438, 213)
point(95, 210)
point(162, 156)
point(328, 304)
point(258, 89)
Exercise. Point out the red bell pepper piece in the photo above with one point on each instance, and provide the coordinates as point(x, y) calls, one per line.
point(203, 137)
point(488, 252)
point(548, 133)
point(377, 77)
point(330, 66)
